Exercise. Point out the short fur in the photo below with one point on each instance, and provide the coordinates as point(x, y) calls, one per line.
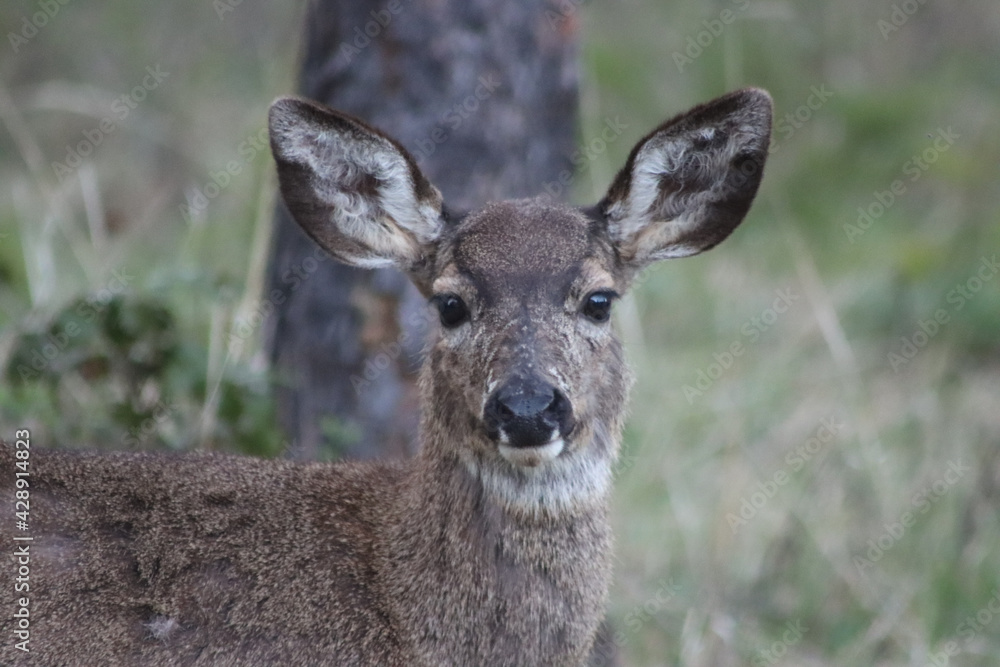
point(457, 557)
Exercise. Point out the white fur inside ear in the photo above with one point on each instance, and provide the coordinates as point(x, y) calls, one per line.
point(368, 188)
point(675, 181)
point(643, 205)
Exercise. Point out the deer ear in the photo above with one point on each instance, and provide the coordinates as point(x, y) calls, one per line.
point(355, 191)
point(690, 182)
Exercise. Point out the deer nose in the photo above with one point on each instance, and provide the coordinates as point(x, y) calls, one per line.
point(527, 412)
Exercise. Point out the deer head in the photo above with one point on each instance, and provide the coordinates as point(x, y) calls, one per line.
point(525, 382)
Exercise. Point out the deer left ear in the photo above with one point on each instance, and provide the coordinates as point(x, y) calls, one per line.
point(354, 190)
point(690, 182)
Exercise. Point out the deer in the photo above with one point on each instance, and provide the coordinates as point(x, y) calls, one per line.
point(492, 545)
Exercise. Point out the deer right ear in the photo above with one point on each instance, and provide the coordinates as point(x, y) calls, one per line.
point(355, 191)
point(690, 182)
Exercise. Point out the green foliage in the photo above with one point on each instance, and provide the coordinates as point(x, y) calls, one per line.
point(115, 374)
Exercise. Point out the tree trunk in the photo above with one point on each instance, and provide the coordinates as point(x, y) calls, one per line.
point(484, 94)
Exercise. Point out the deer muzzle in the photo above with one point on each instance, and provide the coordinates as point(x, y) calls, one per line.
point(529, 419)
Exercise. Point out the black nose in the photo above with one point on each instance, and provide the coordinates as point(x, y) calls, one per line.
point(527, 413)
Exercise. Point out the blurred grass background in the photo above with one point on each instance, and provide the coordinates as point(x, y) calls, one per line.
point(749, 531)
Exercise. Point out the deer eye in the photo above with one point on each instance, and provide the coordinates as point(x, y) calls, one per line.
point(597, 307)
point(452, 310)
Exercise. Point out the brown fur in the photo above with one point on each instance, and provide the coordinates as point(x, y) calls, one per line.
point(461, 556)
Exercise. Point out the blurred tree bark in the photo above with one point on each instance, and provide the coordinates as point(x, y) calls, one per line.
point(484, 94)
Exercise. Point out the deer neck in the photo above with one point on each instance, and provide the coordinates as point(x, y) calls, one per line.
point(462, 561)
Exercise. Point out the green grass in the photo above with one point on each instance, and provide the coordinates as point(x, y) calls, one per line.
point(150, 366)
point(692, 463)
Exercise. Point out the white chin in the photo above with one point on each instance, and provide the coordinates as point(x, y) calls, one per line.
point(532, 457)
